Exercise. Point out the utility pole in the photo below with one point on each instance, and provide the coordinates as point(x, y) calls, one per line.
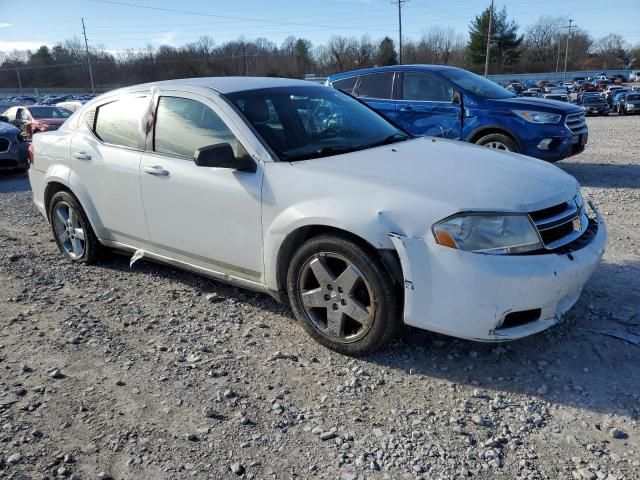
point(19, 79)
point(399, 3)
point(558, 57)
point(486, 60)
point(86, 45)
point(566, 51)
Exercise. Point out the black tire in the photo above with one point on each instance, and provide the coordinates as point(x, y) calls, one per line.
point(92, 249)
point(501, 138)
point(383, 304)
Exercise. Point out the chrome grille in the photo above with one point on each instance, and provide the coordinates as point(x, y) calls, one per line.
point(576, 123)
point(4, 144)
point(561, 224)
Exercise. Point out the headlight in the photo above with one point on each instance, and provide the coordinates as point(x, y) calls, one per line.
point(494, 234)
point(538, 117)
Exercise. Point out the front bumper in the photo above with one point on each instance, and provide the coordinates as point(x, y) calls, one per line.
point(468, 295)
point(563, 142)
point(15, 157)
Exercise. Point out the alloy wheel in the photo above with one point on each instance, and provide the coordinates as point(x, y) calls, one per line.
point(336, 297)
point(496, 145)
point(69, 230)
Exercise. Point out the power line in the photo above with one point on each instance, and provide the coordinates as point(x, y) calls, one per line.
point(86, 44)
point(204, 14)
point(399, 3)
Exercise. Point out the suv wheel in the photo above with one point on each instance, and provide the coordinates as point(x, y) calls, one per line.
point(71, 229)
point(342, 295)
point(498, 141)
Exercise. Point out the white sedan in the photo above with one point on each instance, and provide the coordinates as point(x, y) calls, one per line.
point(301, 191)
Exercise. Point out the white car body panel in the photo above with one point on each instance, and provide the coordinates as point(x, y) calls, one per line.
point(231, 225)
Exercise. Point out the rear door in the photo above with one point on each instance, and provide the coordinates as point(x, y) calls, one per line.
point(377, 90)
point(105, 164)
point(427, 106)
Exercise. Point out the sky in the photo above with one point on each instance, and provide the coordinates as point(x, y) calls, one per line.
point(119, 25)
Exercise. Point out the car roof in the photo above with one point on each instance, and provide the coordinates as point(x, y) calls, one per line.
point(225, 84)
point(393, 68)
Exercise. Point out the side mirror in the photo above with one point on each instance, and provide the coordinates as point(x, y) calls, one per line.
point(457, 98)
point(4, 118)
point(221, 156)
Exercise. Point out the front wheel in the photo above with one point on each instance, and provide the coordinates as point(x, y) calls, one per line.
point(499, 141)
point(342, 295)
point(71, 229)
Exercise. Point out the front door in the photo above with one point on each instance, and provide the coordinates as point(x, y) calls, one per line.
point(428, 106)
point(204, 216)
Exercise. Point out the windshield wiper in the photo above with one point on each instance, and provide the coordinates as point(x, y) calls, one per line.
point(329, 151)
point(393, 138)
point(322, 152)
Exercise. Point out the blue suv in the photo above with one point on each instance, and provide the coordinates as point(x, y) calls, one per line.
point(454, 103)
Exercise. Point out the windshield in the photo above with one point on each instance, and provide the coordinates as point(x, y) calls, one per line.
point(476, 84)
point(301, 123)
point(50, 112)
point(633, 97)
point(592, 100)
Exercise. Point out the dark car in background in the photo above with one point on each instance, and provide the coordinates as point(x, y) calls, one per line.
point(629, 103)
point(449, 102)
point(32, 119)
point(13, 147)
point(594, 105)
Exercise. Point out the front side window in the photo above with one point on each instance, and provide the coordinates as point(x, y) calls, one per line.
point(119, 122)
point(376, 85)
point(424, 87)
point(301, 123)
point(184, 125)
point(476, 84)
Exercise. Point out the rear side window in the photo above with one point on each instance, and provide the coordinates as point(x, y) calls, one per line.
point(346, 84)
point(118, 123)
point(184, 125)
point(376, 85)
point(427, 88)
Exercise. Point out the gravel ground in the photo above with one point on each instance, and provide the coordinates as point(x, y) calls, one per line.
point(154, 373)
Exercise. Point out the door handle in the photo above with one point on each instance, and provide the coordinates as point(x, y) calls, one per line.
point(82, 156)
point(156, 170)
point(406, 110)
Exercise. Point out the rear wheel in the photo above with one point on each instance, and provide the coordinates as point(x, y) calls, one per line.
point(499, 141)
point(342, 295)
point(71, 229)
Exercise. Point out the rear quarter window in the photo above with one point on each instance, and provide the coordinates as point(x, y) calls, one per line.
point(346, 84)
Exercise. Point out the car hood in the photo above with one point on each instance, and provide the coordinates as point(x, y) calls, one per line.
point(455, 175)
point(539, 104)
point(6, 128)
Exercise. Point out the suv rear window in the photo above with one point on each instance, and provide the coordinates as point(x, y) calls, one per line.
point(345, 84)
point(376, 85)
point(118, 122)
